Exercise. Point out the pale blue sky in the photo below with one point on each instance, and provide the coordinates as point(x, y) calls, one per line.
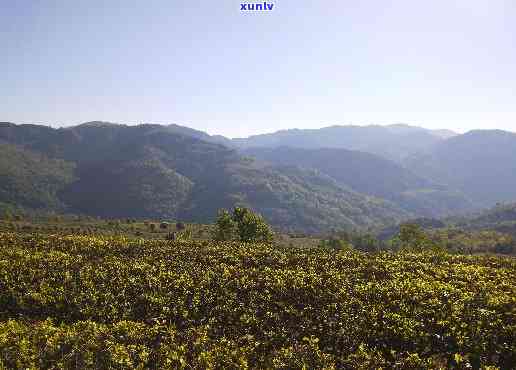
point(307, 64)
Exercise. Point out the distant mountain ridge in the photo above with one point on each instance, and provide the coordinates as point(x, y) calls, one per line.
point(480, 163)
point(394, 142)
point(298, 180)
point(152, 171)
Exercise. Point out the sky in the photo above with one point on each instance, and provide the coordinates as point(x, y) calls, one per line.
point(447, 64)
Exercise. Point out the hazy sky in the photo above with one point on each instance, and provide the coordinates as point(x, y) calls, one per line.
point(306, 64)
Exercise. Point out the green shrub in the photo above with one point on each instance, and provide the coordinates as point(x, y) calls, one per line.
point(243, 224)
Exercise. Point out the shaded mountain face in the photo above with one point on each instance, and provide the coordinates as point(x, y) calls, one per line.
point(363, 172)
point(394, 142)
point(151, 171)
point(372, 175)
point(481, 164)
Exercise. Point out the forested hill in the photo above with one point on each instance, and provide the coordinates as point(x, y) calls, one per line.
point(373, 175)
point(171, 171)
point(481, 164)
point(154, 171)
point(500, 218)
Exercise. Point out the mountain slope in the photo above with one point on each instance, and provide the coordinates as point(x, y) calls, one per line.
point(372, 175)
point(32, 180)
point(481, 164)
point(293, 198)
point(394, 142)
point(501, 218)
point(361, 171)
point(154, 171)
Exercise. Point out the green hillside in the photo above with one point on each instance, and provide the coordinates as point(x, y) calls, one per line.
point(31, 179)
point(501, 218)
point(373, 175)
point(480, 164)
point(152, 171)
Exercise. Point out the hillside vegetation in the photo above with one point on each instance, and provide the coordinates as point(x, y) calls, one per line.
point(315, 185)
point(373, 175)
point(481, 164)
point(152, 171)
point(501, 218)
point(32, 179)
point(94, 302)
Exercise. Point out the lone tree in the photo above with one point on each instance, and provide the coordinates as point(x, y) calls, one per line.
point(225, 226)
point(412, 237)
point(243, 224)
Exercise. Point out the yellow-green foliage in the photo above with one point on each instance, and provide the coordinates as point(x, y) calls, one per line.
point(96, 302)
point(485, 241)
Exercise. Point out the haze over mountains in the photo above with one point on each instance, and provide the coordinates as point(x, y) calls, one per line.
point(310, 180)
point(393, 142)
point(481, 164)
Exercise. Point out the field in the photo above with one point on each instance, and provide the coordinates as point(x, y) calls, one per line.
point(117, 302)
point(149, 229)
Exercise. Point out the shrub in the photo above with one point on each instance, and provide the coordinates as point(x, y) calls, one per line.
point(412, 238)
point(225, 227)
point(243, 224)
point(74, 302)
point(336, 244)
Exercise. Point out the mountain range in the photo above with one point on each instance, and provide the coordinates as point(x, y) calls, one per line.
point(394, 142)
point(480, 164)
point(340, 177)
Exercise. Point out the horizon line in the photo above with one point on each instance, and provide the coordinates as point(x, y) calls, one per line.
point(208, 132)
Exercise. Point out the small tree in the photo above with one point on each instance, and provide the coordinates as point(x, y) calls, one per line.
point(225, 226)
point(251, 226)
point(336, 244)
point(412, 237)
point(243, 224)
